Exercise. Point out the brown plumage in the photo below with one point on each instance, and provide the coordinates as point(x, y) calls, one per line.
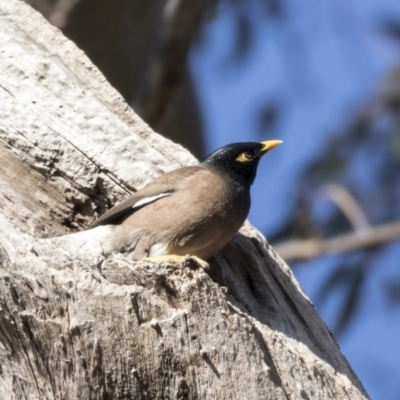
point(192, 210)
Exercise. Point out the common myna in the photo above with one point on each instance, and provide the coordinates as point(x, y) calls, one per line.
point(193, 210)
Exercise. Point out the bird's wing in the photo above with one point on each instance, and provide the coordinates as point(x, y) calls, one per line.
point(161, 187)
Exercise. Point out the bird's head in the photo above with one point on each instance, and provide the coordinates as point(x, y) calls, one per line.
point(239, 160)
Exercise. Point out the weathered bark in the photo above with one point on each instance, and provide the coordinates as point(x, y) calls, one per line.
point(125, 40)
point(76, 325)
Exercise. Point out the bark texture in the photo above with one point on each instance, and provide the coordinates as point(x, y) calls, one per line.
point(74, 325)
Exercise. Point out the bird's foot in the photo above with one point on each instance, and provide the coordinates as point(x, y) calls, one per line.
point(203, 264)
point(176, 259)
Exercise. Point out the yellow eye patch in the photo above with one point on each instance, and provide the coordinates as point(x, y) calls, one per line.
point(246, 156)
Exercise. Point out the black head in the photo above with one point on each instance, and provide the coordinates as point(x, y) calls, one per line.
point(239, 160)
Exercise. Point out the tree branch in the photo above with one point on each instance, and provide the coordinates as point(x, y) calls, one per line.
point(296, 250)
point(348, 205)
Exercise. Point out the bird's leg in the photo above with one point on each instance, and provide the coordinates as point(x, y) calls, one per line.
point(175, 258)
point(203, 264)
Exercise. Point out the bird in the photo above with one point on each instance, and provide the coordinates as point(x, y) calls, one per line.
point(192, 211)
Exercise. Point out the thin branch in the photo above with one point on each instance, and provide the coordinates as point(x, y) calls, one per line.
point(348, 205)
point(311, 248)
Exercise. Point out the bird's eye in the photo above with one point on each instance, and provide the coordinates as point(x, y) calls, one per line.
point(246, 156)
point(249, 154)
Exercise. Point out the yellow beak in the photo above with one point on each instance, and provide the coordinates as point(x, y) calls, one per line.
point(269, 145)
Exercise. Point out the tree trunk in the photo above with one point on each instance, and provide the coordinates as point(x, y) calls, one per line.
point(74, 325)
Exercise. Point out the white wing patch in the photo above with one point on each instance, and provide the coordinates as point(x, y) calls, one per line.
point(148, 200)
point(158, 249)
